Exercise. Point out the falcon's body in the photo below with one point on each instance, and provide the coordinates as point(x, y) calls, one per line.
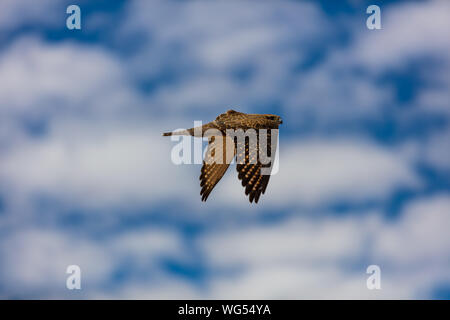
point(250, 168)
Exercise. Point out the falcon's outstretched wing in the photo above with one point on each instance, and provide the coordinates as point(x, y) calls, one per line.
point(254, 181)
point(219, 155)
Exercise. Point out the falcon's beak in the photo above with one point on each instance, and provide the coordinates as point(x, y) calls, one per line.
point(281, 121)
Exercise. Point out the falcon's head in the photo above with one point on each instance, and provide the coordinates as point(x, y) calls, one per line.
point(273, 119)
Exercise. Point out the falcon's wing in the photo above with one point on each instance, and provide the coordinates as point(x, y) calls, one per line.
point(249, 171)
point(219, 155)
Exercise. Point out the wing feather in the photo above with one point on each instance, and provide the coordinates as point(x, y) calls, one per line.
point(249, 172)
point(219, 155)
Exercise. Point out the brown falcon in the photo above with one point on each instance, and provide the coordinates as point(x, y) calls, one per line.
point(224, 144)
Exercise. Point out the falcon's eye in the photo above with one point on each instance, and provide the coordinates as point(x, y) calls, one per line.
point(271, 117)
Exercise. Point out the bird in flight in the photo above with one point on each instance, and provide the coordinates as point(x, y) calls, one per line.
point(228, 136)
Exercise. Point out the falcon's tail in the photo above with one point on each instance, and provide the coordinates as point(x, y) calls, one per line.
point(196, 132)
point(188, 132)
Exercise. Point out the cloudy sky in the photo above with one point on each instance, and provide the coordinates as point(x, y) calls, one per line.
point(86, 178)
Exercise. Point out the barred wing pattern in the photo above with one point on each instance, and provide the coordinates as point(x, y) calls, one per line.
point(220, 153)
point(249, 172)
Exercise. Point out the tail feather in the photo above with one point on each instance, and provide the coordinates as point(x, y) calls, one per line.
point(196, 132)
point(188, 132)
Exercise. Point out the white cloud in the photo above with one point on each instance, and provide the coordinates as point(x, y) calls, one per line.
point(289, 243)
point(409, 30)
point(317, 171)
point(435, 97)
point(434, 151)
point(333, 92)
point(162, 289)
point(203, 45)
point(100, 146)
point(330, 94)
point(147, 242)
point(301, 257)
point(301, 283)
point(17, 13)
point(419, 236)
point(95, 165)
point(35, 260)
point(318, 257)
point(40, 80)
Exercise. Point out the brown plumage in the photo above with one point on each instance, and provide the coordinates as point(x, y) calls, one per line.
point(223, 148)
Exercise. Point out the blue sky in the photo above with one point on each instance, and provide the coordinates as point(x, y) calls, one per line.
point(86, 178)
